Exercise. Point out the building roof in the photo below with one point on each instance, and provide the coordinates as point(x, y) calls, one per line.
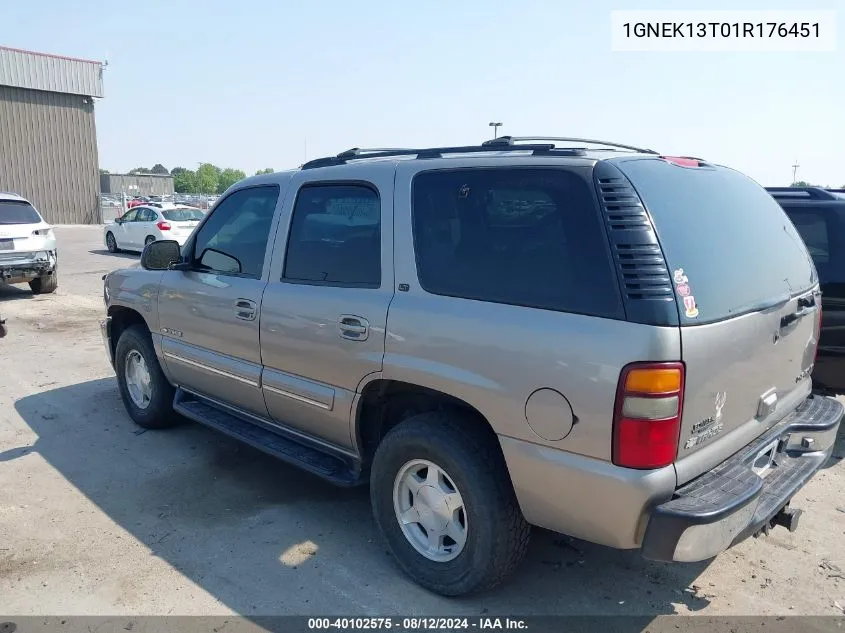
point(51, 73)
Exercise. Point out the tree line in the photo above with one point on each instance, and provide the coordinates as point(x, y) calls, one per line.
point(804, 183)
point(207, 179)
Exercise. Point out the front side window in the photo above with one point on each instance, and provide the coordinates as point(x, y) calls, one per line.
point(234, 239)
point(335, 237)
point(130, 216)
point(527, 237)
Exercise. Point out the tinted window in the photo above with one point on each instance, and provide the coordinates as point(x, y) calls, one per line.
point(14, 212)
point(812, 227)
point(738, 250)
point(147, 215)
point(529, 237)
point(335, 237)
point(234, 239)
point(182, 215)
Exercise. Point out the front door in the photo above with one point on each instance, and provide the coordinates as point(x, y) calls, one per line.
point(325, 308)
point(123, 230)
point(209, 315)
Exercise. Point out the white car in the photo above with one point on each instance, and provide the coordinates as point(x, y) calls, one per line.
point(27, 246)
point(145, 224)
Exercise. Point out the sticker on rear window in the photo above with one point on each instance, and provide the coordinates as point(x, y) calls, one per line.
point(683, 289)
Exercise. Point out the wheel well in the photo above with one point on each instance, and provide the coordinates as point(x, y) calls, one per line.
point(121, 319)
point(385, 403)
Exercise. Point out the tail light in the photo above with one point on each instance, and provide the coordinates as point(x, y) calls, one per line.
point(163, 226)
point(647, 420)
point(43, 232)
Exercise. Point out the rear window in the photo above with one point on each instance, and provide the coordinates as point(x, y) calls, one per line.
point(14, 212)
point(519, 236)
point(728, 243)
point(182, 215)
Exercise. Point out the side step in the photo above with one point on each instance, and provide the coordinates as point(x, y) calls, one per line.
point(333, 468)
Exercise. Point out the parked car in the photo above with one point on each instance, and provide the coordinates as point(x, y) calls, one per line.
point(137, 201)
point(492, 337)
point(819, 216)
point(143, 225)
point(28, 252)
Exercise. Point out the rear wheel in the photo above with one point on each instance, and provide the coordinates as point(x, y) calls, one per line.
point(146, 393)
point(150, 239)
point(111, 243)
point(45, 284)
point(443, 501)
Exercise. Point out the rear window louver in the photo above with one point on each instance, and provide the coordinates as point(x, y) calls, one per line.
point(645, 279)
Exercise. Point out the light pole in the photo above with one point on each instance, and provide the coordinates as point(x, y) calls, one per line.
point(795, 171)
point(495, 127)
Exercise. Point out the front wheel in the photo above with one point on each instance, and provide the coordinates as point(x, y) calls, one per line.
point(111, 243)
point(146, 393)
point(443, 501)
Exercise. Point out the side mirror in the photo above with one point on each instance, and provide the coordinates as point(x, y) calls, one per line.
point(161, 255)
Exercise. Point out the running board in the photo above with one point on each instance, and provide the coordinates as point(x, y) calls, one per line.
point(339, 471)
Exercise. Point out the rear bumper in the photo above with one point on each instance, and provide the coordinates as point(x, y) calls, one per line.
point(17, 267)
point(732, 502)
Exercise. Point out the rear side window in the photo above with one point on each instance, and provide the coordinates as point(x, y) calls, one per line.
point(822, 227)
point(335, 237)
point(182, 215)
point(728, 243)
point(527, 237)
point(812, 227)
point(16, 212)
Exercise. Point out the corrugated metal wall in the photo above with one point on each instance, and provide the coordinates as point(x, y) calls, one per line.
point(137, 184)
point(51, 73)
point(48, 153)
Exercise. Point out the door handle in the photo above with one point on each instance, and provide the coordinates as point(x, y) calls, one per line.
point(353, 327)
point(245, 309)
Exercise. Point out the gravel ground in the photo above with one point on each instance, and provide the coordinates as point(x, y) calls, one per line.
point(98, 517)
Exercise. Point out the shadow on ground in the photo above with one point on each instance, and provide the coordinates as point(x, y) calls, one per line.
point(16, 292)
point(265, 538)
point(121, 254)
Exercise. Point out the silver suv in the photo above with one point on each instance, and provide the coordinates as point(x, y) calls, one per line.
point(606, 342)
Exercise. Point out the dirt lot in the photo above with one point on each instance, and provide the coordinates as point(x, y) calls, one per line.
point(99, 517)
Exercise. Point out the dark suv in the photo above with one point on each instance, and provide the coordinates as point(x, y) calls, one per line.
point(819, 216)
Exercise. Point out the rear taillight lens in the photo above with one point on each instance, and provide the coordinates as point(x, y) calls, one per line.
point(163, 226)
point(647, 420)
point(43, 232)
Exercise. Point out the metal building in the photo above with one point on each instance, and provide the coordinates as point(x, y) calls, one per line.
point(48, 140)
point(137, 184)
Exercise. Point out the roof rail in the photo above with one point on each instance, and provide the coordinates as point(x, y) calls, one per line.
point(809, 193)
point(357, 153)
point(511, 140)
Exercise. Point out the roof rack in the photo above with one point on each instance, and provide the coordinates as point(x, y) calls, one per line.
point(357, 153)
point(810, 193)
point(509, 141)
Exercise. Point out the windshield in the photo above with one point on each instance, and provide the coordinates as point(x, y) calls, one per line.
point(15, 212)
point(728, 243)
point(182, 215)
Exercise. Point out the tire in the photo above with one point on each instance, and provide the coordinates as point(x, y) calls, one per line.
point(111, 243)
point(150, 239)
point(496, 533)
point(158, 413)
point(45, 284)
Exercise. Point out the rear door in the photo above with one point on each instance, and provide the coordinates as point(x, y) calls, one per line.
point(748, 300)
point(324, 313)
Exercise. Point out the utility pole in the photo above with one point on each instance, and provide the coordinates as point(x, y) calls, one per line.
point(495, 127)
point(795, 171)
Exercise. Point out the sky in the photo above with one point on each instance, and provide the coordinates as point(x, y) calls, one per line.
point(255, 84)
